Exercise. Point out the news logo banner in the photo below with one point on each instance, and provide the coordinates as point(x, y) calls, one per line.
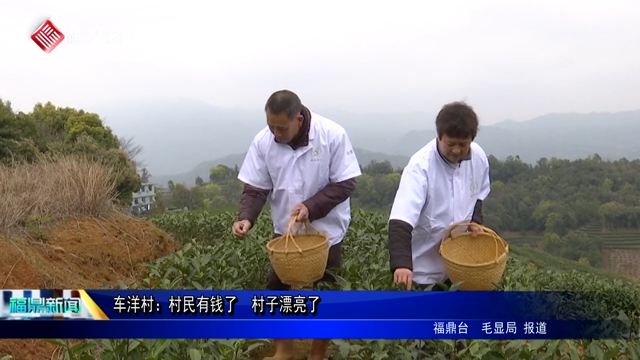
point(329, 305)
point(362, 305)
point(308, 314)
point(43, 304)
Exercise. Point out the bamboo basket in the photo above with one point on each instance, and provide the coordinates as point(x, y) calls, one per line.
point(299, 259)
point(478, 262)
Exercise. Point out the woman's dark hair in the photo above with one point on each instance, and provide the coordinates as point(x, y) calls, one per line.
point(457, 120)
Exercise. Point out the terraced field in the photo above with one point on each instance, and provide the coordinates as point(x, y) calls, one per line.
point(620, 253)
point(520, 240)
point(619, 240)
point(544, 261)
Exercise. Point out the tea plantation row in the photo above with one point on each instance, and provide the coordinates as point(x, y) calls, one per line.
point(612, 239)
point(212, 259)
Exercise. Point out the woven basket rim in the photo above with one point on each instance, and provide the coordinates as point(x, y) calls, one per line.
point(501, 258)
point(294, 250)
point(497, 261)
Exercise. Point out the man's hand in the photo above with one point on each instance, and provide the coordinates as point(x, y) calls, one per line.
point(301, 212)
point(241, 228)
point(403, 276)
point(475, 230)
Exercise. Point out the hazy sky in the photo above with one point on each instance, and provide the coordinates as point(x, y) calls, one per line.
point(508, 59)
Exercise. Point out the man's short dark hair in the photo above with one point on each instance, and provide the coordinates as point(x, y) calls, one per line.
point(457, 120)
point(284, 101)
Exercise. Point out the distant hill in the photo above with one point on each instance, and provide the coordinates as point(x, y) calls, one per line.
point(179, 134)
point(569, 136)
point(182, 134)
point(188, 178)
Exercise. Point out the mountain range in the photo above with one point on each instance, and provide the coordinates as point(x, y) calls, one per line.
point(183, 138)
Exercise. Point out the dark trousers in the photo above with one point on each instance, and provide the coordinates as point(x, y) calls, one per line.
point(334, 261)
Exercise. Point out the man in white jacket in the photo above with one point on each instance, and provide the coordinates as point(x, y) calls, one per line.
point(305, 165)
point(444, 183)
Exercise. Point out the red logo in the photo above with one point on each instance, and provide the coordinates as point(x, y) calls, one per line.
point(47, 37)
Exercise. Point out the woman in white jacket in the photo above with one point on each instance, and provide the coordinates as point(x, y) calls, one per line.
point(444, 183)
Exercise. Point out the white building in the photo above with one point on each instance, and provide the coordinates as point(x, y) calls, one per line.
point(144, 199)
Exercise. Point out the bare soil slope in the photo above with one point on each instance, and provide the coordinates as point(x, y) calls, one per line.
point(79, 253)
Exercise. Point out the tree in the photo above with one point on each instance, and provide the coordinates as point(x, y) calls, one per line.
point(13, 144)
point(51, 130)
point(220, 172)
point(132, 150)
point(378, 168)
point(145, 175)
point(551, 243)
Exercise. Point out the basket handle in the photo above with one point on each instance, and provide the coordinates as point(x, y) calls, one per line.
point(307, 225)
point(288, 235)
point(485, 229)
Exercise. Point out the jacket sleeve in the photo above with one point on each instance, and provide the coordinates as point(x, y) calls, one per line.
point(257, 182)
point(252, 203)
point(405, 212)
point(485, 190)
point(328, 198)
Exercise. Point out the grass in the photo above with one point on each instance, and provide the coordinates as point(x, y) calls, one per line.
point(54, 188)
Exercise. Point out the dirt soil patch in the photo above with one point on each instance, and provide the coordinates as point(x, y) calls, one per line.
point(79, 253)
point(624, 262)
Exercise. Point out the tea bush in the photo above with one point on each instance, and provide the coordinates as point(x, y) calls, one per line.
point(212, 259)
